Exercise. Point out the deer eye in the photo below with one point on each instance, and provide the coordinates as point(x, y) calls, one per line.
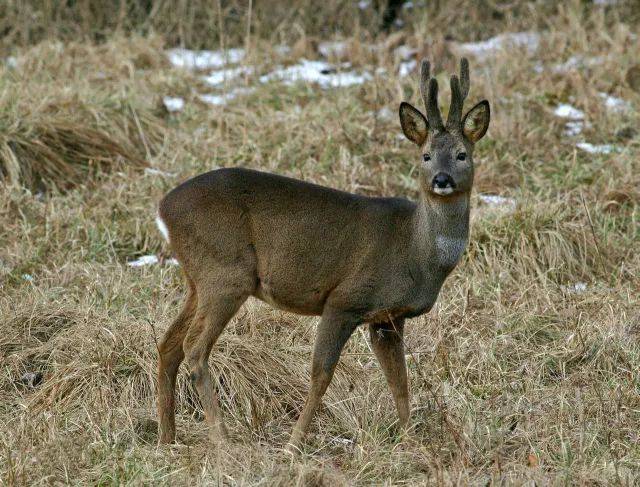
point(426, 157)
point(462, 156)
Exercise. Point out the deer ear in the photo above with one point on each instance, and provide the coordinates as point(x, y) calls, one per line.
point(414, 125)
point(476, 121)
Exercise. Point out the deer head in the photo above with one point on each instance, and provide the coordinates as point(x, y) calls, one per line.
point(446, 166)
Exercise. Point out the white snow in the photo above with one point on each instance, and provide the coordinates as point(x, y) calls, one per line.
point(12, 62)
point(173, 104)
point(485, 49)
point(318, 72)
point(580, 286)
point(188, 59)
point(407, 67)
point(574, 128)
point(218, 77)
point(223, 98)
point(565, 110)
point(577, 288)
point(146, 260)
point(385, 113)
point(575, 62)
point(405, 52)
point(364, 4)
point(336, 48)
point(498, 202)
point(597, 149)
point(615, 104)
point(27, 277)
point(282, 49)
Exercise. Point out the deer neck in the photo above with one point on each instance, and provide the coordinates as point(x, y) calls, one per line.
point(441, 229)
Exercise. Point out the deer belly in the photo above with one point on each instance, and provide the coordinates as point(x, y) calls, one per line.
point(304, 302)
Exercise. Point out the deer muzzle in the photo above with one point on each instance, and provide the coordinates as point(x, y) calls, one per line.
point(443, 184)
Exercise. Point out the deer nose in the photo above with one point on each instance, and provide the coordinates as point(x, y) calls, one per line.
point(443, 180)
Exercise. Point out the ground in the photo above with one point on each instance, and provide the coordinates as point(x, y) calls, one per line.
point(525, 371)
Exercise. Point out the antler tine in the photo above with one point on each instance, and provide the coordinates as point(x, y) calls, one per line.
point(433, 111)
point(455, 109)
point(425, 75)
point(464, 78)
point(459, 91)
point(429, 92)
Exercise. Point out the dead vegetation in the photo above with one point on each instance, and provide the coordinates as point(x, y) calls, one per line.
point(63, 124)
point(526, 370)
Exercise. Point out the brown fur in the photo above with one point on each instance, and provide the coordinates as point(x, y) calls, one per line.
point(317, 251)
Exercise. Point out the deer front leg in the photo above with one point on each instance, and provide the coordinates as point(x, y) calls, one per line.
point(388, 345)
point(333, 332)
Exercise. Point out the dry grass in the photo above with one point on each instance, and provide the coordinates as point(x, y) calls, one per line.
point(61, 124)
point(517, 375)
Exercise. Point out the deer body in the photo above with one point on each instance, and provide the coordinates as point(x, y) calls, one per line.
point(316, 251)
point(304, 245)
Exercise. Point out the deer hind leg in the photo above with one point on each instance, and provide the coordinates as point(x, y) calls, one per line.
point(170, 355)
point(333, 332)
point(216, 306)
point(388, 345)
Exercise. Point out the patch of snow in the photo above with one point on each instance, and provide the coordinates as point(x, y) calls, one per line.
point(335, 48)
point(385, 113)
point(188, 59)
point(577, 288)
point(574, 128)
point(565, 110)
point(143, 261)
point(173, 104)
point(222, 99)
point(218, 77)
point(318, 72)
point(27, 277)
point(597, 149)
point(146, 260)
point(12, 62)
point(364, 4)
point(407, 67)
point(575, 62)
point(498, 202)
point(604, 3)
point(282, 50)
point(405, 52)
point(615, 104)
point(485, 49)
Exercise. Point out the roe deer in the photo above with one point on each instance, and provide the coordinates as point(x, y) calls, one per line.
point(314, 250)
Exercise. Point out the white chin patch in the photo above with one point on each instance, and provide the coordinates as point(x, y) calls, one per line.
point(443, 191)
point(162, 227)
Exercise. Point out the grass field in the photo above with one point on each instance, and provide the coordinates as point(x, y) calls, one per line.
point(528, 368)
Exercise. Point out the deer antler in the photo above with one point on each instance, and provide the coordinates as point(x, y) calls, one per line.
point(459, 92)
point(429, 91)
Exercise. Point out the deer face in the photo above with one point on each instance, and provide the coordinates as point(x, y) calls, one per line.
point(446, 153)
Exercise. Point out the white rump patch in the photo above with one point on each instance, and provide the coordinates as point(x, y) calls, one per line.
point(162, 227)
point(449, 250)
